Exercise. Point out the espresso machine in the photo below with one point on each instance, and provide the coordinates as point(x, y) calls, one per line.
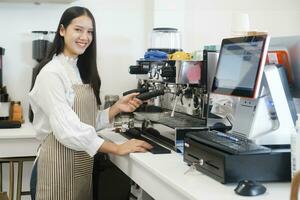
point(175, 92)
point(180, 99)
point(6, 114)
point(4, 103)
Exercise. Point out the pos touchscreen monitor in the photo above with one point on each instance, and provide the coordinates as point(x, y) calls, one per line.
point(240, 66)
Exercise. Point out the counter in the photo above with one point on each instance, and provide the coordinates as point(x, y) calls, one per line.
point(18, 142)
point(163, 177)
point(17, 145)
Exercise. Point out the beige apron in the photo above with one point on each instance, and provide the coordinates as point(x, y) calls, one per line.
point(63, 173)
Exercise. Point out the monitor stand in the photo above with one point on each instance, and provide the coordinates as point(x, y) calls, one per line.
point(269, 119)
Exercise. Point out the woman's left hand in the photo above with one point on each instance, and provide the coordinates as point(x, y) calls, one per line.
point(127, 103)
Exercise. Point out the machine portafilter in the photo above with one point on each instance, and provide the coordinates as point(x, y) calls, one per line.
point(145, 94)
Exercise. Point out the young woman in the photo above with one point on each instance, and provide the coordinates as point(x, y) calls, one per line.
point(65, 101)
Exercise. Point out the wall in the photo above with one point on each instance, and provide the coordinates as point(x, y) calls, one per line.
point(123, 27)
point(204, 22)
point(207, 22)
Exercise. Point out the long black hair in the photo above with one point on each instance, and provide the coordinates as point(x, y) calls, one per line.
point(87, 61)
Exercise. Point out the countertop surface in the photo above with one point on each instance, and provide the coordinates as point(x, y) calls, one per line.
point(26, 131)
point(163, 177)
point(18, 142)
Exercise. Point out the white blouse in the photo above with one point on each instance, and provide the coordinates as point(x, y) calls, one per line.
point(52, 99)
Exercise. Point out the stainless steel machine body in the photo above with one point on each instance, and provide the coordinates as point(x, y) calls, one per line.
point(184, 103)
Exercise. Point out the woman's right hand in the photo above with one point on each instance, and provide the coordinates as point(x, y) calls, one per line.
point(133, 145)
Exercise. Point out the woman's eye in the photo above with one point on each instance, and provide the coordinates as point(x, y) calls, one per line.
point(78, 29)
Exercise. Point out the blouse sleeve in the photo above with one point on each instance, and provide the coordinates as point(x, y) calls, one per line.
point(49, 95)
point(102, 120)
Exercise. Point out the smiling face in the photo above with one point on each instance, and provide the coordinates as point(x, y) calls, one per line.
point(77, 36)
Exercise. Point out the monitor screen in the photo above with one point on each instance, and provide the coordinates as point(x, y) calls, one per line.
point(240, 66)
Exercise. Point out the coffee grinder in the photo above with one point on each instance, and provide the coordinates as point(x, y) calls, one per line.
point(41, 44)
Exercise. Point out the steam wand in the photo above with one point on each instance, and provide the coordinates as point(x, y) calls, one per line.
point(174, 106)
point(178, 93)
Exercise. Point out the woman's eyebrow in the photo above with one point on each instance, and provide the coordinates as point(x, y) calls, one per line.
point(83, 27)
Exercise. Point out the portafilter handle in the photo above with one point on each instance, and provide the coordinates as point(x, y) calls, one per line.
point(139, 90)
point(149, 95)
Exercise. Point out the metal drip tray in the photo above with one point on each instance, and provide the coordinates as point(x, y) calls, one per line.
point(178, 121)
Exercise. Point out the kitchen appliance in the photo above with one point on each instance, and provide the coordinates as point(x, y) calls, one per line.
point(41, 44)
point(4, 103)
point(175, 90)
point(178, 98)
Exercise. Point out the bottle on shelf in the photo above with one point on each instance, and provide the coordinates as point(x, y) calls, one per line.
point(16, 111)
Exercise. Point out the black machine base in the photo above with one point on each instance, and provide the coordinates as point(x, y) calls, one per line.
point(229, 168)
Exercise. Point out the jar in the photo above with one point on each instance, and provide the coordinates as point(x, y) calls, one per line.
point(16, 111)
point(166, 39)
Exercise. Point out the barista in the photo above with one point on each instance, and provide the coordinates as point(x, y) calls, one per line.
point(64, 100)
